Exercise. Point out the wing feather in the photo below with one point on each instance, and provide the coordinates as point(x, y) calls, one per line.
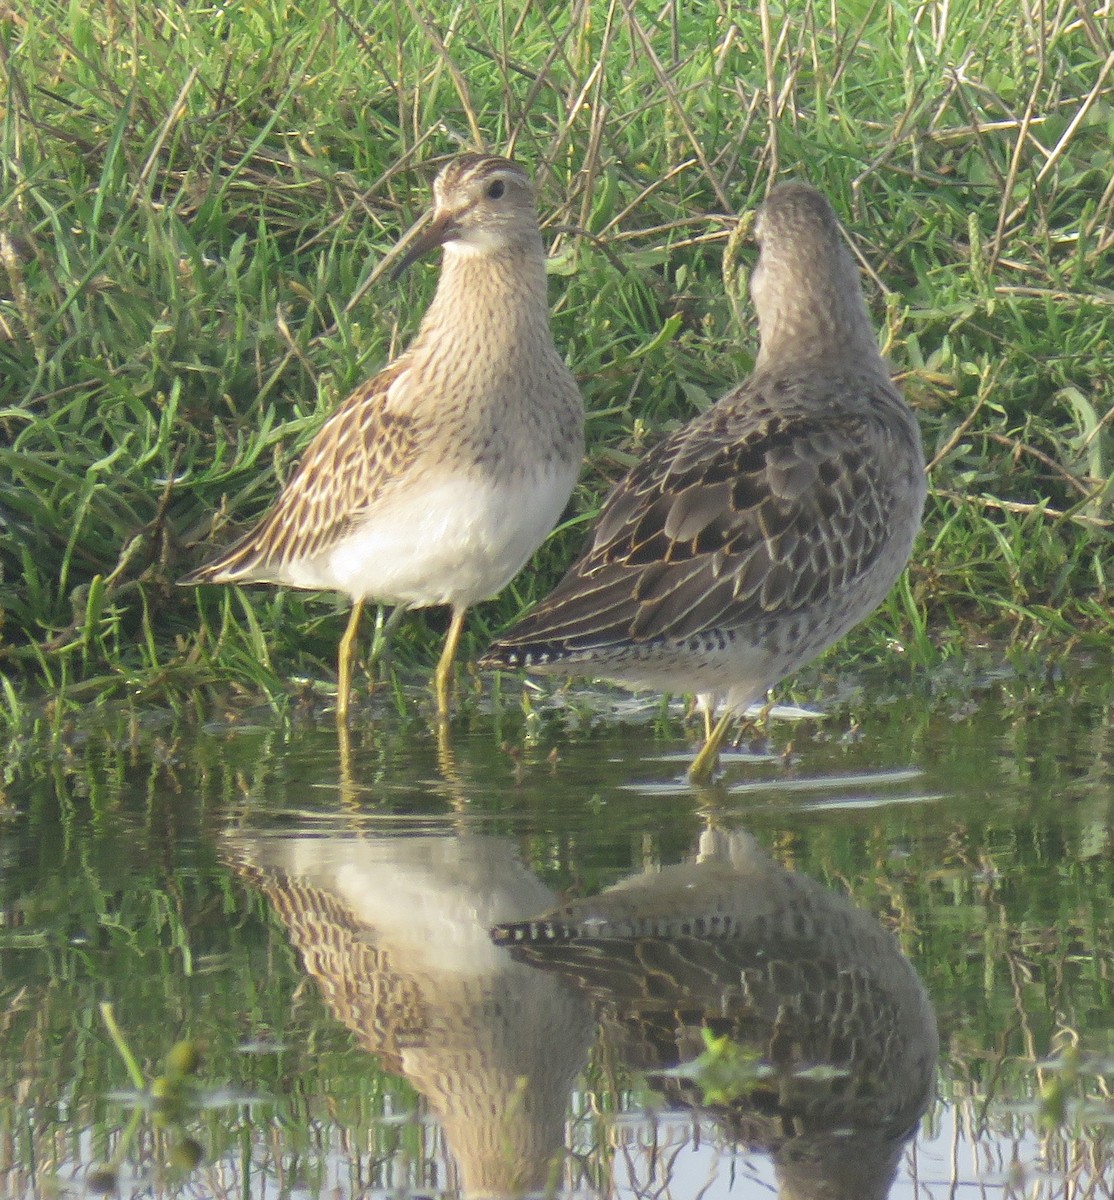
point(760, 508)
point(359, 449)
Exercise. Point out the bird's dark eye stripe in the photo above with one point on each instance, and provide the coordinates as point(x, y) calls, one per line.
point(496, 188)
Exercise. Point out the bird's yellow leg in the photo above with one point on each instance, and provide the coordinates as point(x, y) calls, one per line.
point(443, 676)
point(707, 722)
point(704, 764)
point(344, 661)
point(347, 787)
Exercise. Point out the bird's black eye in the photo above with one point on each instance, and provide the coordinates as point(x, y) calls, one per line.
point(496, 188)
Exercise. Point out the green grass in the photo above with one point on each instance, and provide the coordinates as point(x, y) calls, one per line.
point(194, 201)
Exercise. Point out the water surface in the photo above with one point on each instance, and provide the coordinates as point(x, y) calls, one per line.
point(321, 923)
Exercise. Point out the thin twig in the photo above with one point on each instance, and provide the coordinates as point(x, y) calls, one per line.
point(957, 436)
point(1016, 506)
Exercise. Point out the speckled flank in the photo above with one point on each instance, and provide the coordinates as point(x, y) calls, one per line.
point(756, 536)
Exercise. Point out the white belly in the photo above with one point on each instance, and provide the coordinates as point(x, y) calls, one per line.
point(453, 540)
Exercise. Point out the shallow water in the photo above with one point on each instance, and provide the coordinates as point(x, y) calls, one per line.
point(321, 922)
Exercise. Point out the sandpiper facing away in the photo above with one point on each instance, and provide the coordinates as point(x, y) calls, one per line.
point(760, 533)
point(436, 480)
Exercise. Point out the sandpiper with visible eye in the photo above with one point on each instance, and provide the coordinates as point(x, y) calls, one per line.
point(760, 533)
point(436, 480)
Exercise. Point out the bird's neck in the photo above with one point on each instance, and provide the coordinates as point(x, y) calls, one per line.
point(816, 323)
point(810, 306)
point(490, 290)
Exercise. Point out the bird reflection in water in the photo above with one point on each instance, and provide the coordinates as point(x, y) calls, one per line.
point(815, 991)
point(395, 932)
point(431, 949)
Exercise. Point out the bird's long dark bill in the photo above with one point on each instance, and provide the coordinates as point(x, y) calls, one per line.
point(440, 230)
